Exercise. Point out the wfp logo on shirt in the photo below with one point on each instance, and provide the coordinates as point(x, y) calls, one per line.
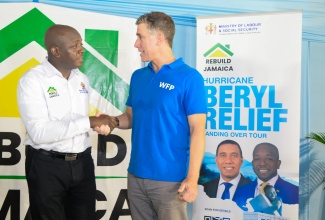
point(166, 86)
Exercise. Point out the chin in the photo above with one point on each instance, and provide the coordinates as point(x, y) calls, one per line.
point(78, 64)
point(145, 60)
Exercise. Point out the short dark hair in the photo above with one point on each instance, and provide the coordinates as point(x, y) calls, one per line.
point(229, 142)
point(159, 21)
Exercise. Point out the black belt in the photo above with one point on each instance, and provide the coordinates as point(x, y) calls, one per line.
point(60, 155)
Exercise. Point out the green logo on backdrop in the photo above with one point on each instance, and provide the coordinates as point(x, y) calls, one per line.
point(219, 50)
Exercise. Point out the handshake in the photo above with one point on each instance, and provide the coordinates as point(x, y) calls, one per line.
point(103, 124)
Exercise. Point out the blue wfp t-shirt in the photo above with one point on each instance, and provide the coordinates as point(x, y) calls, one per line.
point(160, 104)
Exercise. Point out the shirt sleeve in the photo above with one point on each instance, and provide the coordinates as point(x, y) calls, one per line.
point(195, 96)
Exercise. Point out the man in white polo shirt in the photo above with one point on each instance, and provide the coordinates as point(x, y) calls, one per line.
point(53, 104)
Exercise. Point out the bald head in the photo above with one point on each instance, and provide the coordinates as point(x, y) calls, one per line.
point(57, 34)
point(64, 48)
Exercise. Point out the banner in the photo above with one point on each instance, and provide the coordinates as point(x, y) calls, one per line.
point(109, 60)
point(251, 64)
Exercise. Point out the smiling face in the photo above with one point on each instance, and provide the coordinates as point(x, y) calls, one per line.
point(266, 161)
point(146, 42)
point(229, 161)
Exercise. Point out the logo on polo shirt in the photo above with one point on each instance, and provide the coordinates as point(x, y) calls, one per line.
point(83, 88)
point(166, 86)
point(52, 92)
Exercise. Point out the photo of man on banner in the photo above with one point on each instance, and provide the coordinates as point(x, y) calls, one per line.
point(265, 163)
point(229, 159)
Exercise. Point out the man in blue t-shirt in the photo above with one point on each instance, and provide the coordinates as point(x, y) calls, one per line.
point(166, 110)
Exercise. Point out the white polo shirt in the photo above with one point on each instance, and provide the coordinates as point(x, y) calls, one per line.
point(54, 110)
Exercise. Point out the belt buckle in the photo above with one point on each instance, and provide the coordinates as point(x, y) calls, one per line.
point(70, 157)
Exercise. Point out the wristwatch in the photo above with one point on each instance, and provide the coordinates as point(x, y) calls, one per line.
point(118, 121)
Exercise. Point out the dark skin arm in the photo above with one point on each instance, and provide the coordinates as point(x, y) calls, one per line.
point(102, 120)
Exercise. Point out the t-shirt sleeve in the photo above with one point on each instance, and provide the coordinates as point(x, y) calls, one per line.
point(195, 96)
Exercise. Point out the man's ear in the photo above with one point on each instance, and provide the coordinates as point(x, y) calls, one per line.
point(279, 163)
point(55, 51)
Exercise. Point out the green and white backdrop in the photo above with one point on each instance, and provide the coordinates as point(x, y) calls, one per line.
point(109, 61)
point(184, 13)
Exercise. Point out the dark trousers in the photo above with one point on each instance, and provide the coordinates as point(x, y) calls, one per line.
point(60, 189)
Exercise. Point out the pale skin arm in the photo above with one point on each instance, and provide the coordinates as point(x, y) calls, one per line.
point(189, 187)
point(126, 119)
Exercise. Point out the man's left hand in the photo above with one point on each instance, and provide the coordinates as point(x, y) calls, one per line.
point(188, 191)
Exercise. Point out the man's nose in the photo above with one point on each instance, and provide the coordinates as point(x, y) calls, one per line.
point(262, 162)
point(81, 49)
point(136, 43)
point(228, 159)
